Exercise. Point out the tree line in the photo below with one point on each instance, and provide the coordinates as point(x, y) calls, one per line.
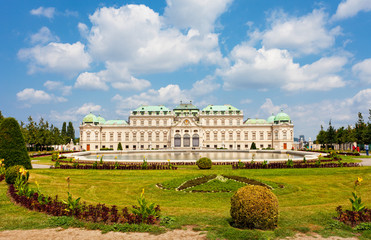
point(360, 133)
point(41, 135)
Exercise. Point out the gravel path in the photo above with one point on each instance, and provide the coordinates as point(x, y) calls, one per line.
point(365, 161)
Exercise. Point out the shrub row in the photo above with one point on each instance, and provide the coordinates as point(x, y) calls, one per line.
point(258, 165)
point(105, 166)
point(92, 213)
point(246, 180)
point(353, 218)
point(196, 181)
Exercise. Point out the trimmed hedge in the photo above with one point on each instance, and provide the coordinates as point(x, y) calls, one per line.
point(12, 144)
point(204, 163)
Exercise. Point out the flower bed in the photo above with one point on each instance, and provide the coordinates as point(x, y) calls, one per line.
point(258, 165)
point(110, 166)
point(353, 218)
point(91, 213)
point(2, 177)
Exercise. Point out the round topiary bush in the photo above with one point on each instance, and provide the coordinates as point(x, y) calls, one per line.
point(254, 207)
point(12, 173)
point(204, 163)
point(12, 144)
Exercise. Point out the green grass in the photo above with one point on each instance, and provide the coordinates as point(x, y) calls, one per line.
point(217, 186)
point(306, 203)
point(47, 160)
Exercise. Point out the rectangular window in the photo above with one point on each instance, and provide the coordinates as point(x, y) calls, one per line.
point(164, 136)
point(238, 136)
point(149, 122)
point(127, 137)
point(96, 146)
point(134, 136)
point(208, 136)
point(230, 135)
point(142, 122)
point(246, 135)
point(104, 136)
point(215, 122)
point(119, 137)
point(215, 136)
point(207, 121)
point(111, 136)
point(269, 135)
point(96, 136)
point(142, 136)
point(149, 136)
point(223, 122)
point(285, 135)
point(253, 135)
point(157, 136)
point(223, 135)
point(111, 146)
point(157, 123)
point(127, 146)
point(261, 135)
point(134, 123)
point(230, 122)
point(276, 135)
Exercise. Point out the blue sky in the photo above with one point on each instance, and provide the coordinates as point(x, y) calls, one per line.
point(61, 60)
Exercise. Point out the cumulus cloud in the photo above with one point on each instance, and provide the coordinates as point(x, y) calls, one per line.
point(200, 15)
point(203, 87)
point(268, 107)
point(302, 35)
point(350, 8)
point(43, 36)
point(63, 58)
point(90, 81)
point(262, 68)
point(58, 86)
point(45, 12)
point(75, 114)
point(32, 96)
point(363, 70)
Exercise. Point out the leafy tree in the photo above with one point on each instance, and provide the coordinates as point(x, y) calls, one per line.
point(31, 129)
point(321, 137)
point(330, 135)
point(12, 145)
point(119, 146)
point(1, 117)
point(359, 129)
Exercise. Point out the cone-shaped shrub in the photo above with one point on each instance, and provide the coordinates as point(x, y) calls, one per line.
point(119, 146)
point(254, 207)
point(12, 145)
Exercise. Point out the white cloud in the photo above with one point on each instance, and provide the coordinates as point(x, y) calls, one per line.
point(302, 35)
point(75, 114)
point(62, 58)
point(90, 81)
point(363, 70)
point(268, 107)
point(41, 11)
point(203, 87)
point(200, 15)
point(350, 8)
point(264, 68)
point(246, 101)
point(43, 36)
point(83, 29)
point(32, 96)
point(58, 86)
point(87, 108)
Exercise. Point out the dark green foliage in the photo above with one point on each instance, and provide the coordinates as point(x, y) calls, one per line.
point(12, 173)
point(204, 163)
point(253, 145)
point(70, 132)
point(12, 145)
point(119, 146)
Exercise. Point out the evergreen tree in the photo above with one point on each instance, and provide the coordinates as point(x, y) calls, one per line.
point(253, 145)
point(360, 128)
point(64, 133)
point(12, 145)
point(1, 117)
point(70, 132)
point(119, 146)
point(321, 137)
point(31, 129)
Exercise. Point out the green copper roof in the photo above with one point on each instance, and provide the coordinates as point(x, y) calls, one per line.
point(282, 117)
point(90, 118)
point(101, 120)
point(220, 108)
point(251, 121)
point(260, 121)
point(152, 108)
point(271, 118)
point(186, 106)
point(115, 122)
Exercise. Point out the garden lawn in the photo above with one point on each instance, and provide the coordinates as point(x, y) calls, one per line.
point(306, 203)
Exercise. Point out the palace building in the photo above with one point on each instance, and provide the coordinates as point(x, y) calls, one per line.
point(187, 127)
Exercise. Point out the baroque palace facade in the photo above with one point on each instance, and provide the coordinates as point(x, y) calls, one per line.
point(187, 127)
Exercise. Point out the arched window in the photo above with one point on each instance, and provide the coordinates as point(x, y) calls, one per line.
point(186, 140)
point(177, 140)
point(195, 140)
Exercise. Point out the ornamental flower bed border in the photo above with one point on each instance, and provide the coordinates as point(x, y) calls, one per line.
point(90, 213)
point(258, 165)
point(353, 218)
point(105, 166)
